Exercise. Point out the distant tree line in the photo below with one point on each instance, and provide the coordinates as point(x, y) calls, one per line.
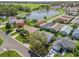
point(11, 10)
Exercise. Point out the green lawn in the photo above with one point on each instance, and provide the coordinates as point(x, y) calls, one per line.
point(30, 5)
point(21, 13)
point(10, 53)
point(14, 33)
point(3, 28)
point(21, 39)
point(1, 41)
point(3, 20)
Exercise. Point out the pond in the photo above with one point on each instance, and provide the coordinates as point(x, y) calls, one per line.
point(41, 14)
point(56, 6)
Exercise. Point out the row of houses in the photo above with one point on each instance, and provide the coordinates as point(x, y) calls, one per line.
point(72, 11)
point(54, 27)
point(63, 29)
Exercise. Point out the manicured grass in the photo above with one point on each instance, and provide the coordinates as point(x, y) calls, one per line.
point(1, 41)
point(68, 55)
point(3, 20)
point(21, 13)
point(30, 5)
point(21, 39)
point(3, 28)
point(10, 53)
point(14, 33)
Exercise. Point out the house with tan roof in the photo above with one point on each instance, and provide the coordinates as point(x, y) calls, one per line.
point(56, 27)
point(20, 23)
point(65, 18)
point(30, 29)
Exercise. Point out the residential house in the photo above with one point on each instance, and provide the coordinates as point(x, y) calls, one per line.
point(75, 33)
point(20, 23)
point(65, 18)
point(49, 36)
point(75, 21)
point(3, 17)
point(64, 43)
point(56, 27)
point(30, 29)
point(39, 22)
point(46, 25)
point(12, 20)
point(66, 30)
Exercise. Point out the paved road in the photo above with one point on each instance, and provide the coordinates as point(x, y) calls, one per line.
point(11, 43)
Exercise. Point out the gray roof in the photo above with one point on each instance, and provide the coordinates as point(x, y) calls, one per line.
point(65, 43)
point(76, 20)
point(66, 29)
point(49, 36)
point(75, 34)
point(3, 17)
point(47, 25)
point(12, 20)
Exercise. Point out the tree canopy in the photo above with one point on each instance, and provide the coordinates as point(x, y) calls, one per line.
point(38, 43)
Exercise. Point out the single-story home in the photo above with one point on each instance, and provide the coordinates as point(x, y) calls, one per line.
point(49, 36)
point(75, 33)
point(39, 22)
point(56, 27)
point(65, 18)
point(63, 43)
point(75, 21)
point(66, 30)
point(3, 17)
point(20, 23)
point(46, 25)
point(30, 29)
point(12, 19)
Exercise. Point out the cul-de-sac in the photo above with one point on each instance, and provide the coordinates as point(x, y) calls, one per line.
point(39, 29)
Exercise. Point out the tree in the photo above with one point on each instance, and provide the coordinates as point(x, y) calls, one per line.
point(76, 50)
point(38, 43)
point(8, 26)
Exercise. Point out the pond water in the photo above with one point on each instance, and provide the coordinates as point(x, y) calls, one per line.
point(56, 6)
point(41, 14)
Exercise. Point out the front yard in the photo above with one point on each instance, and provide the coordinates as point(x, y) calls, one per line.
point(10, 53)
point(21, 39)
point(1, 41)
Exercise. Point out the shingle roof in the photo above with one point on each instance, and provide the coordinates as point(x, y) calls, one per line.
point(65, 43)
point(75, 34)
point(76, 20)
point(56, 27)
point(46, 25)
point(67, 29)
point(49, 36)
point(30, 29)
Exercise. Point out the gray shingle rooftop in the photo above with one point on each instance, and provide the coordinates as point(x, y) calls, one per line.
point(66, 30)
point(75, 34)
